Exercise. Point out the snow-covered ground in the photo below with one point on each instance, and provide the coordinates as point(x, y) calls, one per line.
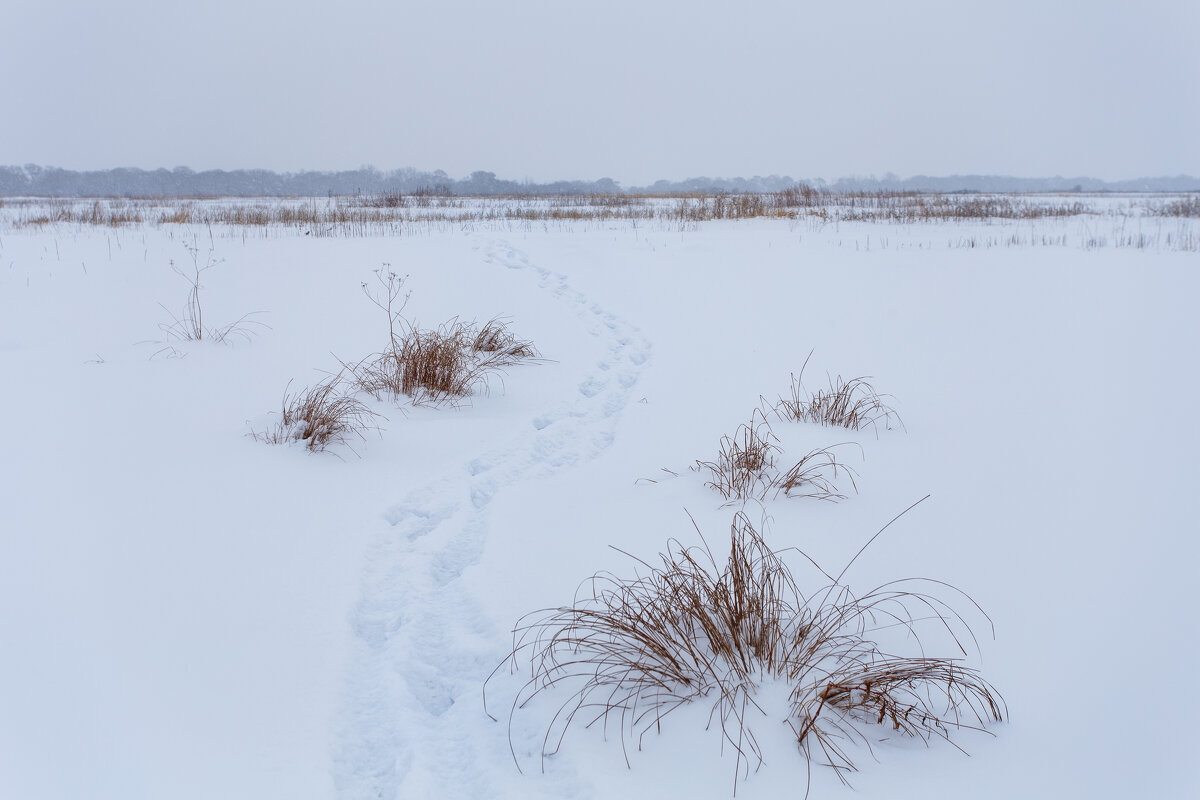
point(186, 612)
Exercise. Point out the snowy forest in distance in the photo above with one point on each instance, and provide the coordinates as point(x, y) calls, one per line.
point(39, 181)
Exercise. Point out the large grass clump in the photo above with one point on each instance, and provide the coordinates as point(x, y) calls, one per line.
point(629, 651)
point(434, 366)
point(430, 366)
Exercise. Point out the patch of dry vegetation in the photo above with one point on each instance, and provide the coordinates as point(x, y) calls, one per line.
point(745, 467)
point(401, 213)
point(629, 651)
point(501, 345)
point(429, 367)
point(1181, 207)
point(815, 476)
point(319, 416)
point(434, 366)
point(853, 404)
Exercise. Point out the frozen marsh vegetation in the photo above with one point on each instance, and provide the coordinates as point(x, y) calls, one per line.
point(191, 613)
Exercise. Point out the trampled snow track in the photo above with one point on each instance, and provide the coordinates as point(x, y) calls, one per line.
point(411, 719)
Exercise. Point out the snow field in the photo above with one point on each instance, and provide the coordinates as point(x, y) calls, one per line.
point(190, 613)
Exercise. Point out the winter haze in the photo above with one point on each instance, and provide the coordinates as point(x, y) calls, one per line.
point(634, 91)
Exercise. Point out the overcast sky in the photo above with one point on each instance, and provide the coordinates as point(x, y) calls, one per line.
point(634, 91)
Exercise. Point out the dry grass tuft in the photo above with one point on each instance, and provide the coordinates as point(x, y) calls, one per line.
point(852, 404)
point(433, 366)
point(631, 650)
point(502, 345)
point(430, 366)
point(745, 467)
point(319, 416)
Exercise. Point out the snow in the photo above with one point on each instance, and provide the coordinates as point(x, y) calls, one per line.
point(189, 613)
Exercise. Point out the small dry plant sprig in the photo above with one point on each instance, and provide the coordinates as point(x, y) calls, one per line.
point(319, 416)
point(189, 325)
point(852, 404)
point(745, 467)
point(629, 651)
point(388, 298)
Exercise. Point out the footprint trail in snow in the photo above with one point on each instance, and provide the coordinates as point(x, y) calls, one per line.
point(411, 718)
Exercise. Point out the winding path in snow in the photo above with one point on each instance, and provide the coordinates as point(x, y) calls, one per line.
point(411, 723)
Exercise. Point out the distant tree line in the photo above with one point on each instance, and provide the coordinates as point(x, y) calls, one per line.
point(37, 181)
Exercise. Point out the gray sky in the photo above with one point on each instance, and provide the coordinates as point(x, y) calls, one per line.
point(630, 90)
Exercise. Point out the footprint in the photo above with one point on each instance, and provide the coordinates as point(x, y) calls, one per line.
point(481, 496)
point(478, 466)
point(592, 387)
